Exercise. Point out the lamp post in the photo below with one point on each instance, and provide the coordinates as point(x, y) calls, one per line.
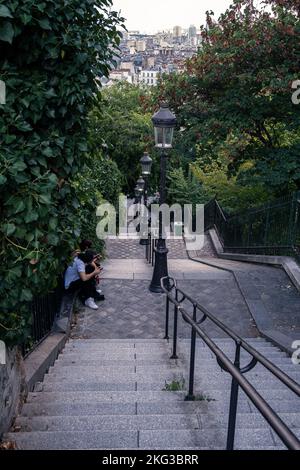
point(164, 122)
point(146, 164)
point(140, 184)
point(137, 194)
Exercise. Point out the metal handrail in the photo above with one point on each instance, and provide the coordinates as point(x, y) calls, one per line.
point(233, 368)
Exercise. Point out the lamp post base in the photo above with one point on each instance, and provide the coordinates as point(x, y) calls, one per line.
point(160, 267)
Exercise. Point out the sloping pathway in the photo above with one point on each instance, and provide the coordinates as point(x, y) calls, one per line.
point(132, 311)
point(269, 293)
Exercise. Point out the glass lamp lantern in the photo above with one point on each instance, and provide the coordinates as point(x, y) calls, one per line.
point(146, 163)
point(164, 122)
point(140, 184)
point(137, 192)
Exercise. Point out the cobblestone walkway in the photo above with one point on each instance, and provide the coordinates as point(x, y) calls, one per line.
point(131, 249)
point(132, 311)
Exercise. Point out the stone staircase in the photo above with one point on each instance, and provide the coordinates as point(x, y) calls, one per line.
point(109, 394)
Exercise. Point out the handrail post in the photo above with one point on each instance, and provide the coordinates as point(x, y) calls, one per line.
point(167, 318)
point(191, 396)
point(233, 401)
point(174, 354)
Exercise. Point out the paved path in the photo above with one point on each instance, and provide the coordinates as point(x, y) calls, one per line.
point(270, 294)
point(132, 311)
point(131, 249)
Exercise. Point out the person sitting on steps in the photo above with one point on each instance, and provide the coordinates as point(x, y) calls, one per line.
point(91, 267)
point(76, 278)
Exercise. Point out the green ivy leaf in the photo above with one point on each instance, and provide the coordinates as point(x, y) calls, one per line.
point(5, 12)
point(45, 199)
point(45, 24)
point(7, 32)
point(31, 217)
point(18, 166)
point(26, 295)
point(9, 229)
point(20, 207)
point(53, 239)
point(3, 179)
point(47, 152)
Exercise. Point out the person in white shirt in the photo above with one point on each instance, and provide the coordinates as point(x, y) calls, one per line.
point(76, 278)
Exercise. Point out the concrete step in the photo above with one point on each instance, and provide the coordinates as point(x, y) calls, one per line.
point(148, 439)
point(114, 370)
point(65, 362)
point(228, 348)
point(207, 362)
point(211, 439)
point(131, 341)
point(116, 355)
point(55, 384)
point(75, 440)
point(217, 380)
point(107, 423)
point(104, 397)
point(153, 396)
point(117, 341)
point(246, 420)
point(142, 408)
point(164, 369)
point(149, 422)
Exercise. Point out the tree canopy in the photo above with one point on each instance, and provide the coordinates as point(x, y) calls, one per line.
point(234, 102)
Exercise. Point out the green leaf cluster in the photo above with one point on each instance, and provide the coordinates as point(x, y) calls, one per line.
point(234, 101)
point(52, 54)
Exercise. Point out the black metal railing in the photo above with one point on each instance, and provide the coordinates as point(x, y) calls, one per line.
point(271, 229)
point(44, 311)
point(176, 296)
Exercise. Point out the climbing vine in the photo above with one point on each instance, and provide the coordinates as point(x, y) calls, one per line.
point(51, 55)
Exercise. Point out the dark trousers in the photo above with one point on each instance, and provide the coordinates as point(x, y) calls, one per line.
point(86, 288)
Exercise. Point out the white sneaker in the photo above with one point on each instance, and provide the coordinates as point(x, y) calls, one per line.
point(91, 304)
point(99, 290)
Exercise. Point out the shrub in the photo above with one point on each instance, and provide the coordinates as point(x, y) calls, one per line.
point(51, 53)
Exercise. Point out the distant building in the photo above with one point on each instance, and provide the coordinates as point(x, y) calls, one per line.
point(119, 75)
point(150, 62)
point(177, 32)
point(192, 32)
point(127, 66)
point(140, 46)
point(149, 77)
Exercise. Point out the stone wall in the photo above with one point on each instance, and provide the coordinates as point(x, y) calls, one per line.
point(12, 387)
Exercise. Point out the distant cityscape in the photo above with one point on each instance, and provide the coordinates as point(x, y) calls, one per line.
point(144, 57)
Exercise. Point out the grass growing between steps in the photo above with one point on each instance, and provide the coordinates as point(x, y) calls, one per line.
point(174, 386)
point(179, 385)
point(203, 397)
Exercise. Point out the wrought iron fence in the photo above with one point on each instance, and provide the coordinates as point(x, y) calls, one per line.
point(272, 229)
point(43, 311)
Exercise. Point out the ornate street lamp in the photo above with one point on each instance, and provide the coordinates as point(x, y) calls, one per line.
point(146, 164)
point(164, 122)
point(140, 184)
point(137, 194)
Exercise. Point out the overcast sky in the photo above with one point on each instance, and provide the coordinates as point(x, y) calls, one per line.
point(153, 15)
